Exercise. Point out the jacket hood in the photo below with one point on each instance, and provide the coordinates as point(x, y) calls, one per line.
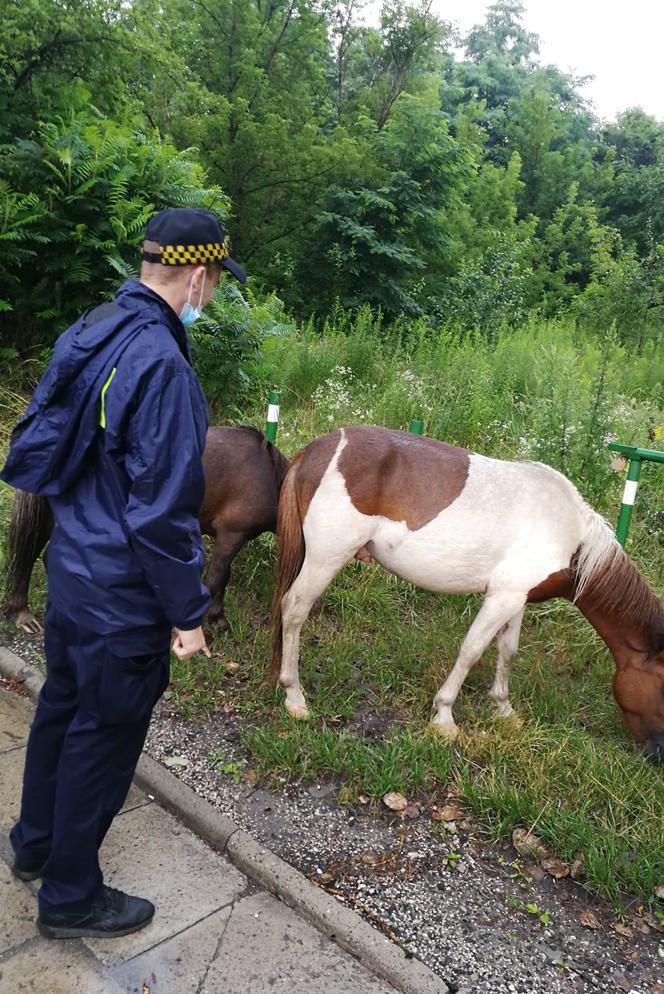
point(50, 443)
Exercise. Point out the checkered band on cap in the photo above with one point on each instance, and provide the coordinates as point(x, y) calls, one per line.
point(187, 255)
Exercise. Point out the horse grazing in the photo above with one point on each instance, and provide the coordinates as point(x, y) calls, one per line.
point(243, 475)
point(456, 522)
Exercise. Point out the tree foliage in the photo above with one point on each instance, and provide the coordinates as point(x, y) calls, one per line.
point(360, 163)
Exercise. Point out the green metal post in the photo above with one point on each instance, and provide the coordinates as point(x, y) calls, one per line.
point(636, 455)
point(629, 497)
point(416, 427)
point(273, 401)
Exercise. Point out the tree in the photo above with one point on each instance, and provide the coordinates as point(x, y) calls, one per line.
point(389, 243)
point(631, 161)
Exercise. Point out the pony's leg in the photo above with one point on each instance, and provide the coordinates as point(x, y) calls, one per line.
point(507, 643)
point(29, 530)
point(226, 547)
point(496, 610)
point(315, 575)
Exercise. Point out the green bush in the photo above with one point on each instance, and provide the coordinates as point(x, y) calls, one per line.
point(75, 202)
point(228, 343)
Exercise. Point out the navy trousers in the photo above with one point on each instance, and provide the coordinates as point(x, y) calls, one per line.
point(91, 721)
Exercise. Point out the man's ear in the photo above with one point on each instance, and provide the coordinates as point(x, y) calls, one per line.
point(199, 277)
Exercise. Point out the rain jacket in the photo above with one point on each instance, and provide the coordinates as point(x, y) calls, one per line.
point(114, 437)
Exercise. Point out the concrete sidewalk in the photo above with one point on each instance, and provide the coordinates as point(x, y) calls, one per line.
point(215, 931)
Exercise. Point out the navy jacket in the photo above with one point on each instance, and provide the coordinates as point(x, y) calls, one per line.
point(114, 436)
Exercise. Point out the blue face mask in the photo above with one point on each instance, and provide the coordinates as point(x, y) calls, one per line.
point(189, 314)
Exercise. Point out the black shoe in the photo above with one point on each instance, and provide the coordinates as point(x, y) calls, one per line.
point(26, 869)
point(113, 914)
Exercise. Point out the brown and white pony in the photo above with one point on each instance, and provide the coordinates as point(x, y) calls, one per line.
point(452, 521)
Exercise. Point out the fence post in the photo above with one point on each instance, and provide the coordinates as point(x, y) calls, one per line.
point(636, 457)
point(272, 415)
point(628, 501)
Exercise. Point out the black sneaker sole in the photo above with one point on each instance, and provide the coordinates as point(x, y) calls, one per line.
point(62, 932)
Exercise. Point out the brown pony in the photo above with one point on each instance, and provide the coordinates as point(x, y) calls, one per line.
point(243, 475)
point(453, 521)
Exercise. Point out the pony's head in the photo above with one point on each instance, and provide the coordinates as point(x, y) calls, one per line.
point(638, 687)
point(630, 618)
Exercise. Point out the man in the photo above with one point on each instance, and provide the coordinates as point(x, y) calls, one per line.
point(114, 436)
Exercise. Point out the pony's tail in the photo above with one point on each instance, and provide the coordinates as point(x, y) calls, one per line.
point(29, 530)
point(597, 554)
point(290, 556)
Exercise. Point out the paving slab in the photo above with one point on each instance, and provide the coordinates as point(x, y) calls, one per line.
point(269, 949)
point(179, 965)
point(15, 718)
point(11, 780)
point(149, 853)
point(18, 910)
point(43, 967)
point(136, 798)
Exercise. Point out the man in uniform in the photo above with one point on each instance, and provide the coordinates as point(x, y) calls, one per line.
point(113, 436)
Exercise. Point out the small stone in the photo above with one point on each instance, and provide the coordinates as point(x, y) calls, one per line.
point(173, 761)
point(395, 801)
point(535, 871)
point(412, 811)
point(577, 870)
point(555, 867)
point(527, 844)
point(589, 920)
point(622, 929)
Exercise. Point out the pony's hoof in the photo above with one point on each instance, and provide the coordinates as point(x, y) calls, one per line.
point(298, 711)
point(448, 730)
point(26, 622)
point(503, 709)
point(218, 621)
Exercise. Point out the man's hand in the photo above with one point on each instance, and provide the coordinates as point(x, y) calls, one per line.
point(187, 644)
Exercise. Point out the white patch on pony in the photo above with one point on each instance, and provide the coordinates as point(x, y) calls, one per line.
point(512, 525)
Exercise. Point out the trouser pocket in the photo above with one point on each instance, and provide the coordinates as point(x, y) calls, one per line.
point(131, 685)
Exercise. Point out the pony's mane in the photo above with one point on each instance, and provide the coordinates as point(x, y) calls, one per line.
point(604, 573)
point(279, 460)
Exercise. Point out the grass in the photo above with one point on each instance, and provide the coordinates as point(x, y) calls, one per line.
point(370, 665)
point(372, 661)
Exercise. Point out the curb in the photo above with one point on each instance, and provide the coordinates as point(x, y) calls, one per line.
point(330, 917)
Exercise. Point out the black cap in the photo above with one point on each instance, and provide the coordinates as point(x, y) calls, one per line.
point(188, 236)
